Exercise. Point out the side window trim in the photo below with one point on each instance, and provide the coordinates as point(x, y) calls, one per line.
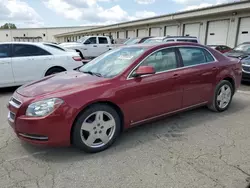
point(179, 58)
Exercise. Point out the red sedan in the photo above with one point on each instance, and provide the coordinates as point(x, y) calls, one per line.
point(120, 89)
point(221, 48)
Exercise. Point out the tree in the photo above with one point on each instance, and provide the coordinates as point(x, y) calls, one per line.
point(8, 26)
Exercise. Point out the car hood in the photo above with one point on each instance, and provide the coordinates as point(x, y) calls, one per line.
point(62, 82)
point(236, 54)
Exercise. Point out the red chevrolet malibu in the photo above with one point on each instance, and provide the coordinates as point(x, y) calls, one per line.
point(120, 89)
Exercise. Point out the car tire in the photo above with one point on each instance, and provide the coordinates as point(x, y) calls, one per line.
point(54, 71)
point(222, 96)
point(96, 128)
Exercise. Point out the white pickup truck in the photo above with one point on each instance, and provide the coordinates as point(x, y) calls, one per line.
point(89, 46)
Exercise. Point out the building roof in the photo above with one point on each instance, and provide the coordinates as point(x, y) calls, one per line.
point(222, 8)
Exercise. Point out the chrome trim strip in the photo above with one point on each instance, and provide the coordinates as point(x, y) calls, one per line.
point(12, 103)
point(129, 75)
point(34, 137)
point(168, 113)
point(9, 117)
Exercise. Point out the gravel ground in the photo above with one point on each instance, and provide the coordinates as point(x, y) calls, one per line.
point(194, 149)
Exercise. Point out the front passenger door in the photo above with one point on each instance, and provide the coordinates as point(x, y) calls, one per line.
point(91, 48)
point(156, 94)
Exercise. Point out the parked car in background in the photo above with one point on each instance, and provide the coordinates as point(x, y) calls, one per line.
point(54, 45)
point(242, 52)
point(90, 47)
point(136, 40)
point(22, 62)
point(154, 40)
point(181, 39)
point(221, 48)
point(120, 89)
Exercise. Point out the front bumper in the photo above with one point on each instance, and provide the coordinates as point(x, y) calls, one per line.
point(51, 130)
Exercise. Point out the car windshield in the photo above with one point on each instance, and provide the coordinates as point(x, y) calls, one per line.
point(82, 39)
point(132, 41)
point(243, 48)
point(112, 62)
point(149, 41)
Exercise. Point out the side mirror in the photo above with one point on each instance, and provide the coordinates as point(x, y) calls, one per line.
point(144, 70)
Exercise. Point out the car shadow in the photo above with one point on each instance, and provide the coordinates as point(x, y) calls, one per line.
point(170, 128)
point(7, 90)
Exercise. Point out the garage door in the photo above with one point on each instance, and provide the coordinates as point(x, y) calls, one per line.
point(171, 30)
point(155, 31)
point(142, 33)
point(192, 30)
point(244, 30)
point(114, 35)
point(122, 35)
point(130, 34)
point(217, 32)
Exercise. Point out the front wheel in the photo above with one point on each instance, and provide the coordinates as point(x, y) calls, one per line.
point(222, 96)
point(96, 128)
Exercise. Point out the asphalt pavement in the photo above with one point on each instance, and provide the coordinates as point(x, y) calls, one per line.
point(196, 149)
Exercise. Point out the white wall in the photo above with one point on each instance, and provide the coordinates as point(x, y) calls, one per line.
point(47, 34)
point(178, 27)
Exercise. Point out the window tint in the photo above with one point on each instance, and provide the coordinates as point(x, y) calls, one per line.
point(4, 50)
point(103, 40)
point(54, 46)
point(192, 56)
point(187, 40)
point(162, 60)
point(92, 40)
point(22, 50)
point(170, 40)
point(209, 57)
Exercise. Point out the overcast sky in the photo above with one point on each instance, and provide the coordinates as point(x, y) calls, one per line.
point(48, 13)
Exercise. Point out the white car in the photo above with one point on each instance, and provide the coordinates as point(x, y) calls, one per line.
point(89, 47)
point(154, 40)
point(22, 62)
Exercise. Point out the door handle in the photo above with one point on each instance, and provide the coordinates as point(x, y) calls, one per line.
point(95, 46)
point(176, 76)
point(214, 68)
point(107, 45)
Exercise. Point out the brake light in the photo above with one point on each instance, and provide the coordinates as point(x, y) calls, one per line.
point(77, 58)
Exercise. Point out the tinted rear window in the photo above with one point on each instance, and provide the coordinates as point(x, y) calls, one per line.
point(187, 40)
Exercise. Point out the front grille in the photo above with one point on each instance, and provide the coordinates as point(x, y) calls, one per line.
point(14, 102)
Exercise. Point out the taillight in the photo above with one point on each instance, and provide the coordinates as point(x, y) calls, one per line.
point(77, 58)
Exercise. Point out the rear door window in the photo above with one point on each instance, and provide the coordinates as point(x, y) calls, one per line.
point(192, 56)
point(4, 50)
point(103, 40)
point(23, 50)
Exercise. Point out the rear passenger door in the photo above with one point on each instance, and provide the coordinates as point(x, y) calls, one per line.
point(29, 62)
point(6, 75)
point(200, 70)
point(103, 45)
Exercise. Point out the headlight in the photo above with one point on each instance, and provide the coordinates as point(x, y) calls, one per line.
point(44, 107)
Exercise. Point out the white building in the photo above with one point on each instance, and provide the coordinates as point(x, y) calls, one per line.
point(227, 24)
point(36, 34)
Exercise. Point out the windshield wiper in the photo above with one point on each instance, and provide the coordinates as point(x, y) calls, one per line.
point(92, 73)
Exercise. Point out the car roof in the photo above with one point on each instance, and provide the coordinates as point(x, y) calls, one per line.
point(31, 43)
point(192, 37)
point(157, 38)
point(162, 45)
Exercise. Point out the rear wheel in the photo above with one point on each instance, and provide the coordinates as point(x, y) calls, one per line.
point(222, 96)
point(54, 71)
point(96, 129)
